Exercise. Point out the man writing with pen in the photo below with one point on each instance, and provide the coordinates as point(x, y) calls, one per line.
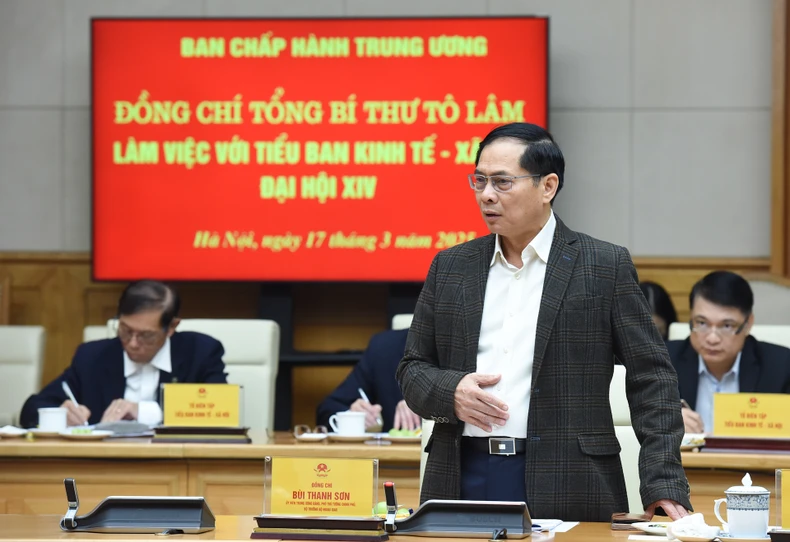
point(118, 379)
point(371, 387)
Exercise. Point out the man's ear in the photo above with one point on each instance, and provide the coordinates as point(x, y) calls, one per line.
point(749, 323)
point(172, 327)
point(550, 184)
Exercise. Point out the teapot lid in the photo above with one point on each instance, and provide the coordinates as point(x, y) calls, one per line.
point(747, 487)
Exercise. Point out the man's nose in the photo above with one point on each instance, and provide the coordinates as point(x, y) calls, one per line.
point(713, 336)
point(489, 194)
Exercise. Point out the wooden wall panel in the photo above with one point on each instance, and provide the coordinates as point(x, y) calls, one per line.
point(5, 299)
point(310, 386)
point(338, 317)
point(229, 487)
point(780, 143)
point(55, 290)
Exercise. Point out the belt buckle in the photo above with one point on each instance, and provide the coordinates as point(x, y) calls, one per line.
point(502, 446)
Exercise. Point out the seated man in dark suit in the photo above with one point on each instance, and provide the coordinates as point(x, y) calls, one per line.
point(719, 356)
point(118, 379)
point(375, 375)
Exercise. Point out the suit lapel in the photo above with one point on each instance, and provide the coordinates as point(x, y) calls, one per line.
point(175, 364)
point(749, 370)
point(559, 270)
point(115, 383)
point(474, 289)
point(688, 374)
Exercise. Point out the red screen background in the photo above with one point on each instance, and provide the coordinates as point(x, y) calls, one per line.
point(172, 222)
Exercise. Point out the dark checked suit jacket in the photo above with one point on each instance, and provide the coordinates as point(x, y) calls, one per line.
point(592, 311)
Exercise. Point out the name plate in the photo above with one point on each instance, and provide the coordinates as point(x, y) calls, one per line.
point(309, 486)
point(783, 497)
point(751, 415)
point(201, 405)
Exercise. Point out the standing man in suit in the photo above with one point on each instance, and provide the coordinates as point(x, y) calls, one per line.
point(375, 375)
point(118, 379)
point(720, 356)
point(512, 349)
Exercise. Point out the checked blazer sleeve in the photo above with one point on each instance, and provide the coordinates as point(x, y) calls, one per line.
point(428, 387)
point(651, 388)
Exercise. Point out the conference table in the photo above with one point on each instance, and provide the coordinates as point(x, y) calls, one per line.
point(45, 528)
point(231, 476)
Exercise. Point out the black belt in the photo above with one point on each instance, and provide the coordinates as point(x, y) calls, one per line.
point(496, 445)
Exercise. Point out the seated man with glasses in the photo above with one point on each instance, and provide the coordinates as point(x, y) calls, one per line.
point(118, 379)
point(719, 356)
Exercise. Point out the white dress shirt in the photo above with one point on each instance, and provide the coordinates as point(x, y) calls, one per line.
point(142, 384)
point(709, 384)
point(508, 328)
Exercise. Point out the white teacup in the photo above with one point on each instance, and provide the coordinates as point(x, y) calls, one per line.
point(52, 419)
point(747, 511)
point(348, 423)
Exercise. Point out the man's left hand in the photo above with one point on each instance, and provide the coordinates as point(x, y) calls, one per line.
point(405, 418)
point(120, 409)
point(673, 510)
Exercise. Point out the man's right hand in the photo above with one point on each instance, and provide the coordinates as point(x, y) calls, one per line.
point(692, 421)
point(77, 414)
point(372, 412)
point(475, 406)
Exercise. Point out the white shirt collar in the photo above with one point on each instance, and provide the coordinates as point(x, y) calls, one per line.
point(703, 369)
point(540, 245)
point(161, 361)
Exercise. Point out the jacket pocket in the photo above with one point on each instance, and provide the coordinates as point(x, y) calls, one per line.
point(599, 444)
point(582, 303)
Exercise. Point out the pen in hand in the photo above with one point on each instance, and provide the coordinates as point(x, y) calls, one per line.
point(364, 396)
point(70, 395)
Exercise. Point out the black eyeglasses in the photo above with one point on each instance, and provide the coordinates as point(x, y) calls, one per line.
point(143, 337)
point(727, 329)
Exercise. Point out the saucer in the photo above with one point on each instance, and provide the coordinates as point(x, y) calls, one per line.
point(691, 441)
point(95, 434)
point(698, 537)
point(690, 538)
point(310, 437)
point(349, 438)
point(10, 431)
point(652, 527)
